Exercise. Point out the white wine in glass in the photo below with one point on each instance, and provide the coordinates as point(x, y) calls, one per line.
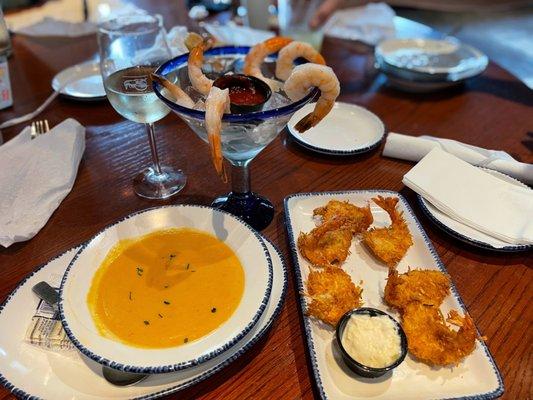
point(131, 48)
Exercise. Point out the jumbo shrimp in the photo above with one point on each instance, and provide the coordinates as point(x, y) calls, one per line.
point(292, 51)
point(255, 57)
point(302, 79)
point(195, 61)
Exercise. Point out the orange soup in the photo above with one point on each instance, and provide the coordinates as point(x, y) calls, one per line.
point(166, 288)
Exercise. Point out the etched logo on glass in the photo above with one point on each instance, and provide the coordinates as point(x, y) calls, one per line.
point(135, 83)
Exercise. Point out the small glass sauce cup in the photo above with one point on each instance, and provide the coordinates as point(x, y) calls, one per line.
point(244, 82)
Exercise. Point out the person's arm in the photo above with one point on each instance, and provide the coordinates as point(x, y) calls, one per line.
point(328, 7)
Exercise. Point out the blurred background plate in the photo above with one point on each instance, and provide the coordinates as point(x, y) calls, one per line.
point(424, 65)
point(81, 82)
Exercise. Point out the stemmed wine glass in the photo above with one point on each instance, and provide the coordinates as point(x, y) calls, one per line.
point(131, 48)
point(243, 136)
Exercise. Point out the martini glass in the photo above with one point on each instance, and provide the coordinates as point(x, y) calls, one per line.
point(243, 136)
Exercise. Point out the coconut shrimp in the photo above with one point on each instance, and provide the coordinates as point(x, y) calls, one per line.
point(182, 98)
point(389, 244)
point(257, 54)
point(358, 218)
point(216, 104)
point(332, 293)
point(196, 59)
point(424, 286)
point(291, 52)
point(303, 78)
point(327, 244)
point(431, 340)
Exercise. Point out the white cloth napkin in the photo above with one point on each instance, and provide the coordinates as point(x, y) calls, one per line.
point(414, 148)
point(236, 35)
point(36, 176)
point(369, 24)
point(65, 17)
point(471, 196)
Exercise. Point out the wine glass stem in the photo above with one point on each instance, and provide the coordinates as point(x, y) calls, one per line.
point(240, 178)
point(153, 147)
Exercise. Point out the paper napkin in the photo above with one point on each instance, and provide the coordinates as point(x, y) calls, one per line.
point(36, 176)
point(369, 24)
point(473, 197)
point(414, 148)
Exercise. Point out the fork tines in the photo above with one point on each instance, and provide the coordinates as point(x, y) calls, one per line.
point(39, 128)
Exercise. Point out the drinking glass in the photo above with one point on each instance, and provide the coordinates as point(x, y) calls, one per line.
point(294, 17)
point(243, 136)
point(131, 48)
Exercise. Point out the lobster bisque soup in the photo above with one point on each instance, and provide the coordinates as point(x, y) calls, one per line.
point(166, 288)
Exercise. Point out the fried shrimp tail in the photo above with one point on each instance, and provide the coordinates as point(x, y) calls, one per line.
point(332, 294)
point(302, 79)
point(216, 104)
point(389, 244)
point(182, 98)
point(358, 218)
point(423, 286)
point(327, 244)
point(291, 52)
point(431, 340)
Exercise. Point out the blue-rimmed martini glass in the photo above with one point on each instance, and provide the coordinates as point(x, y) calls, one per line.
point(243, 136)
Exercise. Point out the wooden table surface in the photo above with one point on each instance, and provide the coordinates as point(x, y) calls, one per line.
point(492, 111)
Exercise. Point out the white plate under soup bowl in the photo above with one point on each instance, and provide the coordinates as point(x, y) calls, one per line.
point(245, 242)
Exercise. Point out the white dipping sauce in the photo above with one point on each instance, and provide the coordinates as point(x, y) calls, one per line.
point(372, 341)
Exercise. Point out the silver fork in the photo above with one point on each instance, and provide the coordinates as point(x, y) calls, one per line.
point(39, 128)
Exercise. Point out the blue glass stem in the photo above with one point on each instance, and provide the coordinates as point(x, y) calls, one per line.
point(240, 178)
point(242, 202)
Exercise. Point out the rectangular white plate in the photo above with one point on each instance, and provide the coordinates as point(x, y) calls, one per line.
point(476, 377)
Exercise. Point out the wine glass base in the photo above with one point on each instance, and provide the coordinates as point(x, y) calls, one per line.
point(151, 185)
point(250, 207)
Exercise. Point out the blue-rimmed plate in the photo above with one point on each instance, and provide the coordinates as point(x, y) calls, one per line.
point(347, 130)
point(476, 377)
point(467, 234)
point(243, 240)
point(30, 372)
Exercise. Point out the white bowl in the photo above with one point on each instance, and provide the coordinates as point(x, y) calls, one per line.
point(243, 240)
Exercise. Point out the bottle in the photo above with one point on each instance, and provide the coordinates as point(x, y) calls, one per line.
point(6, 96)
point(5, 40)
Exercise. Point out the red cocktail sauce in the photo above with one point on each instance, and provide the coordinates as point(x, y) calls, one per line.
point(245, 96)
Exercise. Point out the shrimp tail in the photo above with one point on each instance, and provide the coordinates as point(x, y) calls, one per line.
point(216, 156)
point(216, 103)
point(181, 97)
point(307, 122)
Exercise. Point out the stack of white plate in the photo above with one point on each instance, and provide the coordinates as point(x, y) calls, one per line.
point(29, 371)
point(424, 65)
